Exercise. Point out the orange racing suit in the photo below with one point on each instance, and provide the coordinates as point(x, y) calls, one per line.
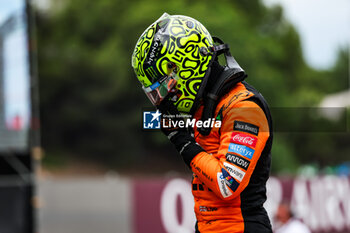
point(229, 178)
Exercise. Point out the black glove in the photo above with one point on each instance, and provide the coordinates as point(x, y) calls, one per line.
point(184, 142)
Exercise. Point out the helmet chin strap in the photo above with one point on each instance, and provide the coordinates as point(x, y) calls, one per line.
point(231, 75)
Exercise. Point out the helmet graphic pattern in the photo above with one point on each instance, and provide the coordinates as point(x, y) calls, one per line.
point(174, 41)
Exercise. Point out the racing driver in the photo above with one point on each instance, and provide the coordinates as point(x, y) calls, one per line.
point(176, 61)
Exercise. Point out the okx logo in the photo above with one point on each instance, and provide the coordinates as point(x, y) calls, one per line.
point(151, 120)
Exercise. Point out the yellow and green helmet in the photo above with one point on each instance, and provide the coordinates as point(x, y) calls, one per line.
point(173, 56)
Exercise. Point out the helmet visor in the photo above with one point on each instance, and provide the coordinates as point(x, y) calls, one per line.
point(160, 89)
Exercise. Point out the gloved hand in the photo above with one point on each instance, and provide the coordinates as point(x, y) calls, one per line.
point(170, 114)
point(184, 142)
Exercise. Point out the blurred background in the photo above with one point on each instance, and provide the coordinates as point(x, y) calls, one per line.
point(95, 169)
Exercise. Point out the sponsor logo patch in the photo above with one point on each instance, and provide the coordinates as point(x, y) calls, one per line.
point(207, 209)
point(237, 160)
point(225, 191)
point(246, 127)
point(243, 139)
point(241, 150)
point(230, 182)
point(234, 172)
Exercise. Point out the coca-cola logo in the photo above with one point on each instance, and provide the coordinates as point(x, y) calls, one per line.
point(243, 139)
